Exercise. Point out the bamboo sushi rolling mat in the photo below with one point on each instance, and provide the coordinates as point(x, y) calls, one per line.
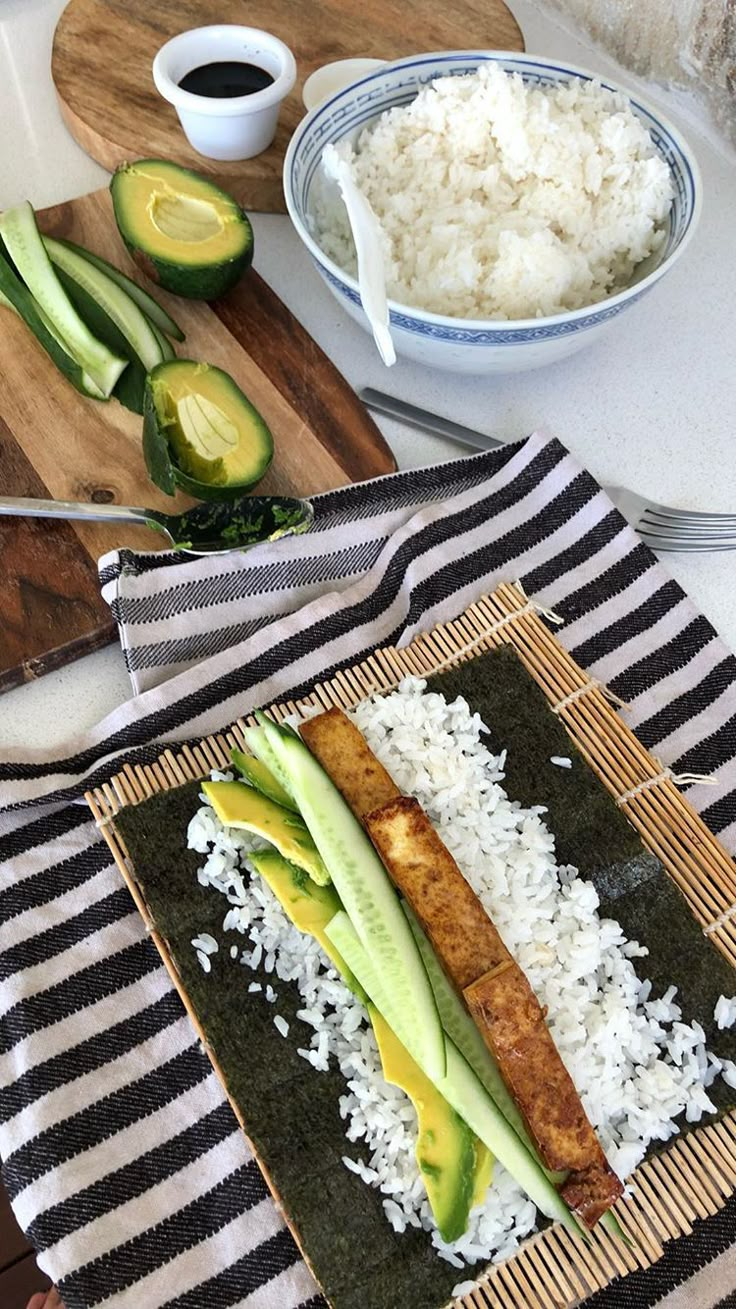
point(100, 1064)
point(694, 1177)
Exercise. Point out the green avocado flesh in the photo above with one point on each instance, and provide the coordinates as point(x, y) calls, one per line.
point(455, 1165)
point(182, 230)
point(238, 805)
point(201, 433)
point(309, 906)
point(446, 1147)
point(259, 776)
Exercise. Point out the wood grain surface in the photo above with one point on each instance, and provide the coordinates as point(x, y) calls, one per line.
point(57, 444)
point(20, 1277)
point(103, 51)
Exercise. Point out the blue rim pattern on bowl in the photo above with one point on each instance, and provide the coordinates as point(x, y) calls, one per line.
point(485, 336)
point(354, 106)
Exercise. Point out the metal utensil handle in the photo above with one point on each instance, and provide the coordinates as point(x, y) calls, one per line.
point(427, 422)
point(29, 508)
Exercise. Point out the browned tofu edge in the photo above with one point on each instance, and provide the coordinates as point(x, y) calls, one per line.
point(348, 760)
point(423, 869)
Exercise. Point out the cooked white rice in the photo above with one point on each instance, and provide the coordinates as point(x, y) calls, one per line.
point(502, 200)
point(635, 1062)
point(724, 1013)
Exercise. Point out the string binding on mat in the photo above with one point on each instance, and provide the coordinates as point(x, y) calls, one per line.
point(666, 775)
point(592, 684)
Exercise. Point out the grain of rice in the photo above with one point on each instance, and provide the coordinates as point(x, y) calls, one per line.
point(206, 943)
point(724, 1013)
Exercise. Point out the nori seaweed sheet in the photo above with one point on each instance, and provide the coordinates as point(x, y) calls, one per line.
point(592, 833)
point(290, 1110)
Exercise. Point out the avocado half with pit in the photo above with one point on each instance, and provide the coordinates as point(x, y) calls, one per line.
point(183, 231)
point(200, 433)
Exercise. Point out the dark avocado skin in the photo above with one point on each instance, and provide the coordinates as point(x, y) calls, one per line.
point(155, 448)
point(206, 282)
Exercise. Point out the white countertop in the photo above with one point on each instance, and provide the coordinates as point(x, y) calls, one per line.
point(651, 406)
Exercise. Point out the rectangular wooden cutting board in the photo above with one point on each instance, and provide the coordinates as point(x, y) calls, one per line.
point(55, 443)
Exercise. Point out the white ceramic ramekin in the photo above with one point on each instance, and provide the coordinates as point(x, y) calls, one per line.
point(237, 128)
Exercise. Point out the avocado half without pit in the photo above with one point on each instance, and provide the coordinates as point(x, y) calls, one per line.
point(183, 231)
point(200, 433)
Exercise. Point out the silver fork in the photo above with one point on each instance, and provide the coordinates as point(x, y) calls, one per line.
point(659, 526)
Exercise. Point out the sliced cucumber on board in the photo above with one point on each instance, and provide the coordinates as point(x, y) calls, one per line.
point(130, 321)
point(459, 1085)
point(28, 253)
point(151, 308)
point(367, 893)
point(130, 386)
point(167, 350)
point(16, 296)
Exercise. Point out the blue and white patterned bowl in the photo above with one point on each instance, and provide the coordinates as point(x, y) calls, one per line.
point(479, 345)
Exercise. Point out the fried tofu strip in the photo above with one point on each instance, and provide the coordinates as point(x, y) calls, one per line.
point(499, 998)
point(474, 956)
point(348, 760)
point(511, 1021)
point(426, 874)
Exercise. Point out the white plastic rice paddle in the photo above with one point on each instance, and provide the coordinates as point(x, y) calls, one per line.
point(366, 235)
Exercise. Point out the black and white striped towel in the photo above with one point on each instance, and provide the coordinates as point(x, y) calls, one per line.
point(123, 1161)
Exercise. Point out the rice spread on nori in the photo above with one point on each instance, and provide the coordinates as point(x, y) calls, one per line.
point(291, 1113)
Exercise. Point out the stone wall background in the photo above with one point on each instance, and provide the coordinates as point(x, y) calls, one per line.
point(683, 43)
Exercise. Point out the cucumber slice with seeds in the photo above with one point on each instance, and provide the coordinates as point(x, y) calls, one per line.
point(461, 1029)
point(130, 386)
point(28, 253)
point(259, 776)
point(255, 739)
point(167, 350)
point(460, 1086)
point(366, 891)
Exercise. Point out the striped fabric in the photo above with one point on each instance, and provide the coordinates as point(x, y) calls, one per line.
point(122, 1159)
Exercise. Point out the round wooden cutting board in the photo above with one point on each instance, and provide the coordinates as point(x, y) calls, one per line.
point(103, 51)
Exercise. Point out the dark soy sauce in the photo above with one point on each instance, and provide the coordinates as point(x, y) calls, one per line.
point(225, 80)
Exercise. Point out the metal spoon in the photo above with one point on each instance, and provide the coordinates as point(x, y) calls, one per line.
point(212, 527)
